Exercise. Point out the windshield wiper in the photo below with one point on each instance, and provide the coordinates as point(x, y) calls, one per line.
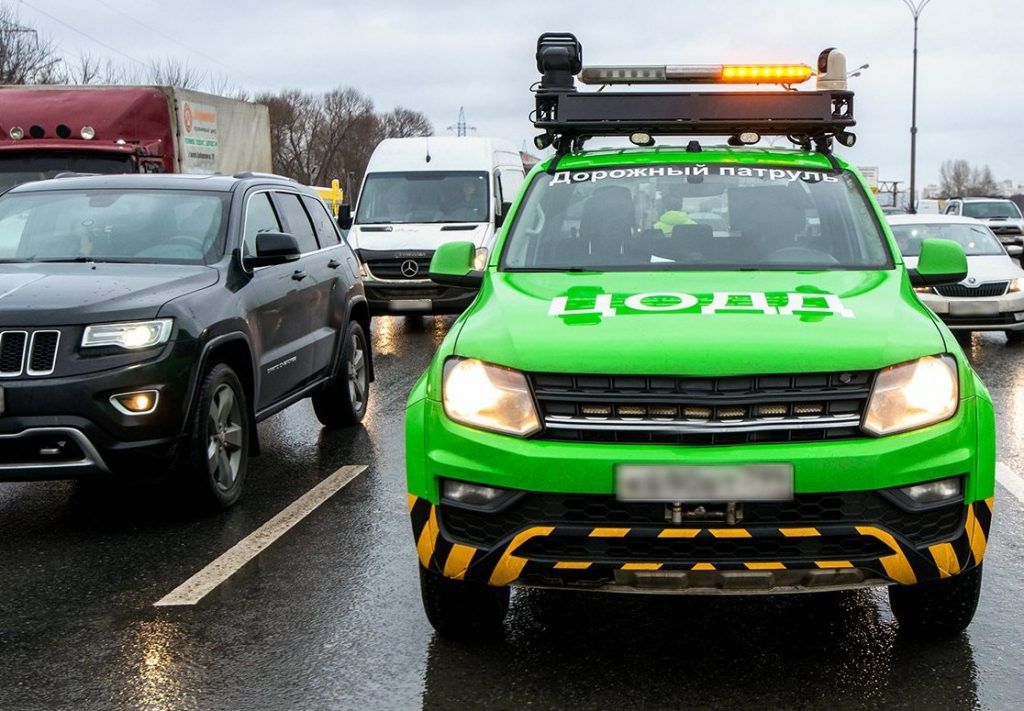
point(56, 260)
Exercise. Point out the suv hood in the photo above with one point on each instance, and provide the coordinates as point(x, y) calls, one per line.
point(35, 294)
point(521, 320)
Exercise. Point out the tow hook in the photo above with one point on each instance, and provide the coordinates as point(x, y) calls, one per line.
point(731, 513)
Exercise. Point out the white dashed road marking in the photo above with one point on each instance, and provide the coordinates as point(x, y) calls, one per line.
point(1010, 480)
point(202, 583)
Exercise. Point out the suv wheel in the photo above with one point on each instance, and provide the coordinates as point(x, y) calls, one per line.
point(461, 610)
point(343, 402)
point(1014, 338)
point(217, 449)
point(939, 608)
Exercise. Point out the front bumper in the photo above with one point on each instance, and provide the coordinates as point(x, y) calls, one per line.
point(416, 297)
point(997, 313)
point(66, 427)
point(827, 542)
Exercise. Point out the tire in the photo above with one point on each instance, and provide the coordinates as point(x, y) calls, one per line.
point(964, 338)
point(939, 608)
point(342, 403)
point(216, 451)
point(1014, 338)
point(461, 610)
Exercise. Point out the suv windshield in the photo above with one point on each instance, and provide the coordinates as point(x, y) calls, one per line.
point(976, 240)
point(990, 209)
point(395, 198)
point(174, 226)
point(695, 217)
point(26, 167)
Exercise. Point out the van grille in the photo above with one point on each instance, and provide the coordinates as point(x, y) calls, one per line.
point(28, 352)
point(397, 265)
point(995, 288)
point(702, 411)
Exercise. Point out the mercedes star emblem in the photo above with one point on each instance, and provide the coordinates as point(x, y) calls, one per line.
point(410, 268)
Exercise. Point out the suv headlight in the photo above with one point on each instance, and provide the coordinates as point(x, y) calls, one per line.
point(489, 397)
point(130, 336)
point(912, 395)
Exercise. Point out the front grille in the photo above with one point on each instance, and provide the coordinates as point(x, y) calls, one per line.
point(852, 507)
point(1006, 230)
point(702, 548)
point(702, 411)
point(400, 267)
point(28, 352)
point(993, 321)
point(995, 288)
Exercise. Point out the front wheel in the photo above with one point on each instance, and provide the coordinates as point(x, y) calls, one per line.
point(216, 452)
point(461, 610)
point(343, 402)
point(939, 608)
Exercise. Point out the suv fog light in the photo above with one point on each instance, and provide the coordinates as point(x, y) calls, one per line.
point(142, 402)
point(933, 491)
point(470, 494)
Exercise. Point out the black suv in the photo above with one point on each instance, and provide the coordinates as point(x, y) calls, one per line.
point(148, 322)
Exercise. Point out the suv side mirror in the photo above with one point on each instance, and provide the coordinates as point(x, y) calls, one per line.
point(345, 216)
point(274, 248)
point(452, 265)
point(942, 261)
point(499, 219)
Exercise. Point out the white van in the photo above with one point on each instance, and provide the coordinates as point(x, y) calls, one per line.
point(418, 194)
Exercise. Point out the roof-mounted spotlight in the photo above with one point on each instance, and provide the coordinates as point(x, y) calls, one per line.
point(16, 133)
point(641, 138)
point(744, 138)
point(559, 59)
point(846, 138)
point(88, 133)
point(542, 141)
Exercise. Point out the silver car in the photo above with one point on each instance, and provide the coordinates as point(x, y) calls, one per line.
point(991, 297)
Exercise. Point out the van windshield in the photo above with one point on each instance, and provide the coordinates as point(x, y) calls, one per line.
point(682, 217)
point(138, 226)
point(423, 197)
point(977, 240)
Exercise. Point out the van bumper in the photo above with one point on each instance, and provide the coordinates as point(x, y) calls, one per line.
point(416, 297)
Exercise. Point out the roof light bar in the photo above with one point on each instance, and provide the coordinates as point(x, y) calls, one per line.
point(697, 74)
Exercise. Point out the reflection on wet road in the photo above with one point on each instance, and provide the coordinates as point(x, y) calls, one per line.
point(329, 615)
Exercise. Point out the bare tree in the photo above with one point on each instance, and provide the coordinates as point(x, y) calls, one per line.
point(26, 57)
point(404, 123)
point(983, 182)
point(954, 177)
point(175, 72)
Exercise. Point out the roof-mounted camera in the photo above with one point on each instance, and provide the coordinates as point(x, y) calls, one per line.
point(569, 117)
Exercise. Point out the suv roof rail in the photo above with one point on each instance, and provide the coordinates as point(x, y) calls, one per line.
point(255, 174)
point(569, 117)
point(73, 174)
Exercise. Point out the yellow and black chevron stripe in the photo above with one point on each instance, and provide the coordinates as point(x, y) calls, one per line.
point(501, 566)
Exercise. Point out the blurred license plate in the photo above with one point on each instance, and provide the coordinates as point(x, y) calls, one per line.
point(704, 484)
point(411, 304)
point(974, 308)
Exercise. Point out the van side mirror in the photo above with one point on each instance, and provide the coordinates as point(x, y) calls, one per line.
point(942, 261)
point(345, 216)
point(503, 211)
point(274, 248)
point(452, 265)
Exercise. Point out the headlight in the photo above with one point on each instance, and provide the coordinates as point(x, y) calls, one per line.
point(911, 395)
point(924, 290)
point(1015, 285)
point(130, 336)
point(480, 259)
point(489, 397)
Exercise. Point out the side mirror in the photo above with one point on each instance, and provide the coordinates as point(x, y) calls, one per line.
point(942, 261)
point(452, 265)
point(274, 248)
point(499, 219)
point(345, 216)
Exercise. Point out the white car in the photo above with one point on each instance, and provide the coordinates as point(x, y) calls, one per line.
point(991, 297)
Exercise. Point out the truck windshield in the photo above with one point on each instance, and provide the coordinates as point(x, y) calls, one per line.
point(685, 217)
point(423, 197)
point(26, 167)
point(990, 209)
point(976, 240)
point(143, 226)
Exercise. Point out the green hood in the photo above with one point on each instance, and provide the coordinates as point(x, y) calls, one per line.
point(876, 321)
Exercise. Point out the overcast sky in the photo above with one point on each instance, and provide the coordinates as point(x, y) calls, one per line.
point(437, 56)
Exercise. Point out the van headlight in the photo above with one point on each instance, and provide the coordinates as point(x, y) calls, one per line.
point(130, 336)
point(489, 396)
point(912, 395)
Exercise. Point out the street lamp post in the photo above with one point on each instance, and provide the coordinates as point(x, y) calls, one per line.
point(916, 7)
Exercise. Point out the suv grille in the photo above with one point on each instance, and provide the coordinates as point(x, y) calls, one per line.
point(399, 267)
point(731, 410)
point(995, 288)
point(851, 507)
point(1005, 229)
point(31, 353)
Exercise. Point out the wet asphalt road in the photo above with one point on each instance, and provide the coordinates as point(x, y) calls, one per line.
point(329, 615)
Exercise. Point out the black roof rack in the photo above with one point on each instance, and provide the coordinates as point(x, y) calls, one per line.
point(569, 117)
